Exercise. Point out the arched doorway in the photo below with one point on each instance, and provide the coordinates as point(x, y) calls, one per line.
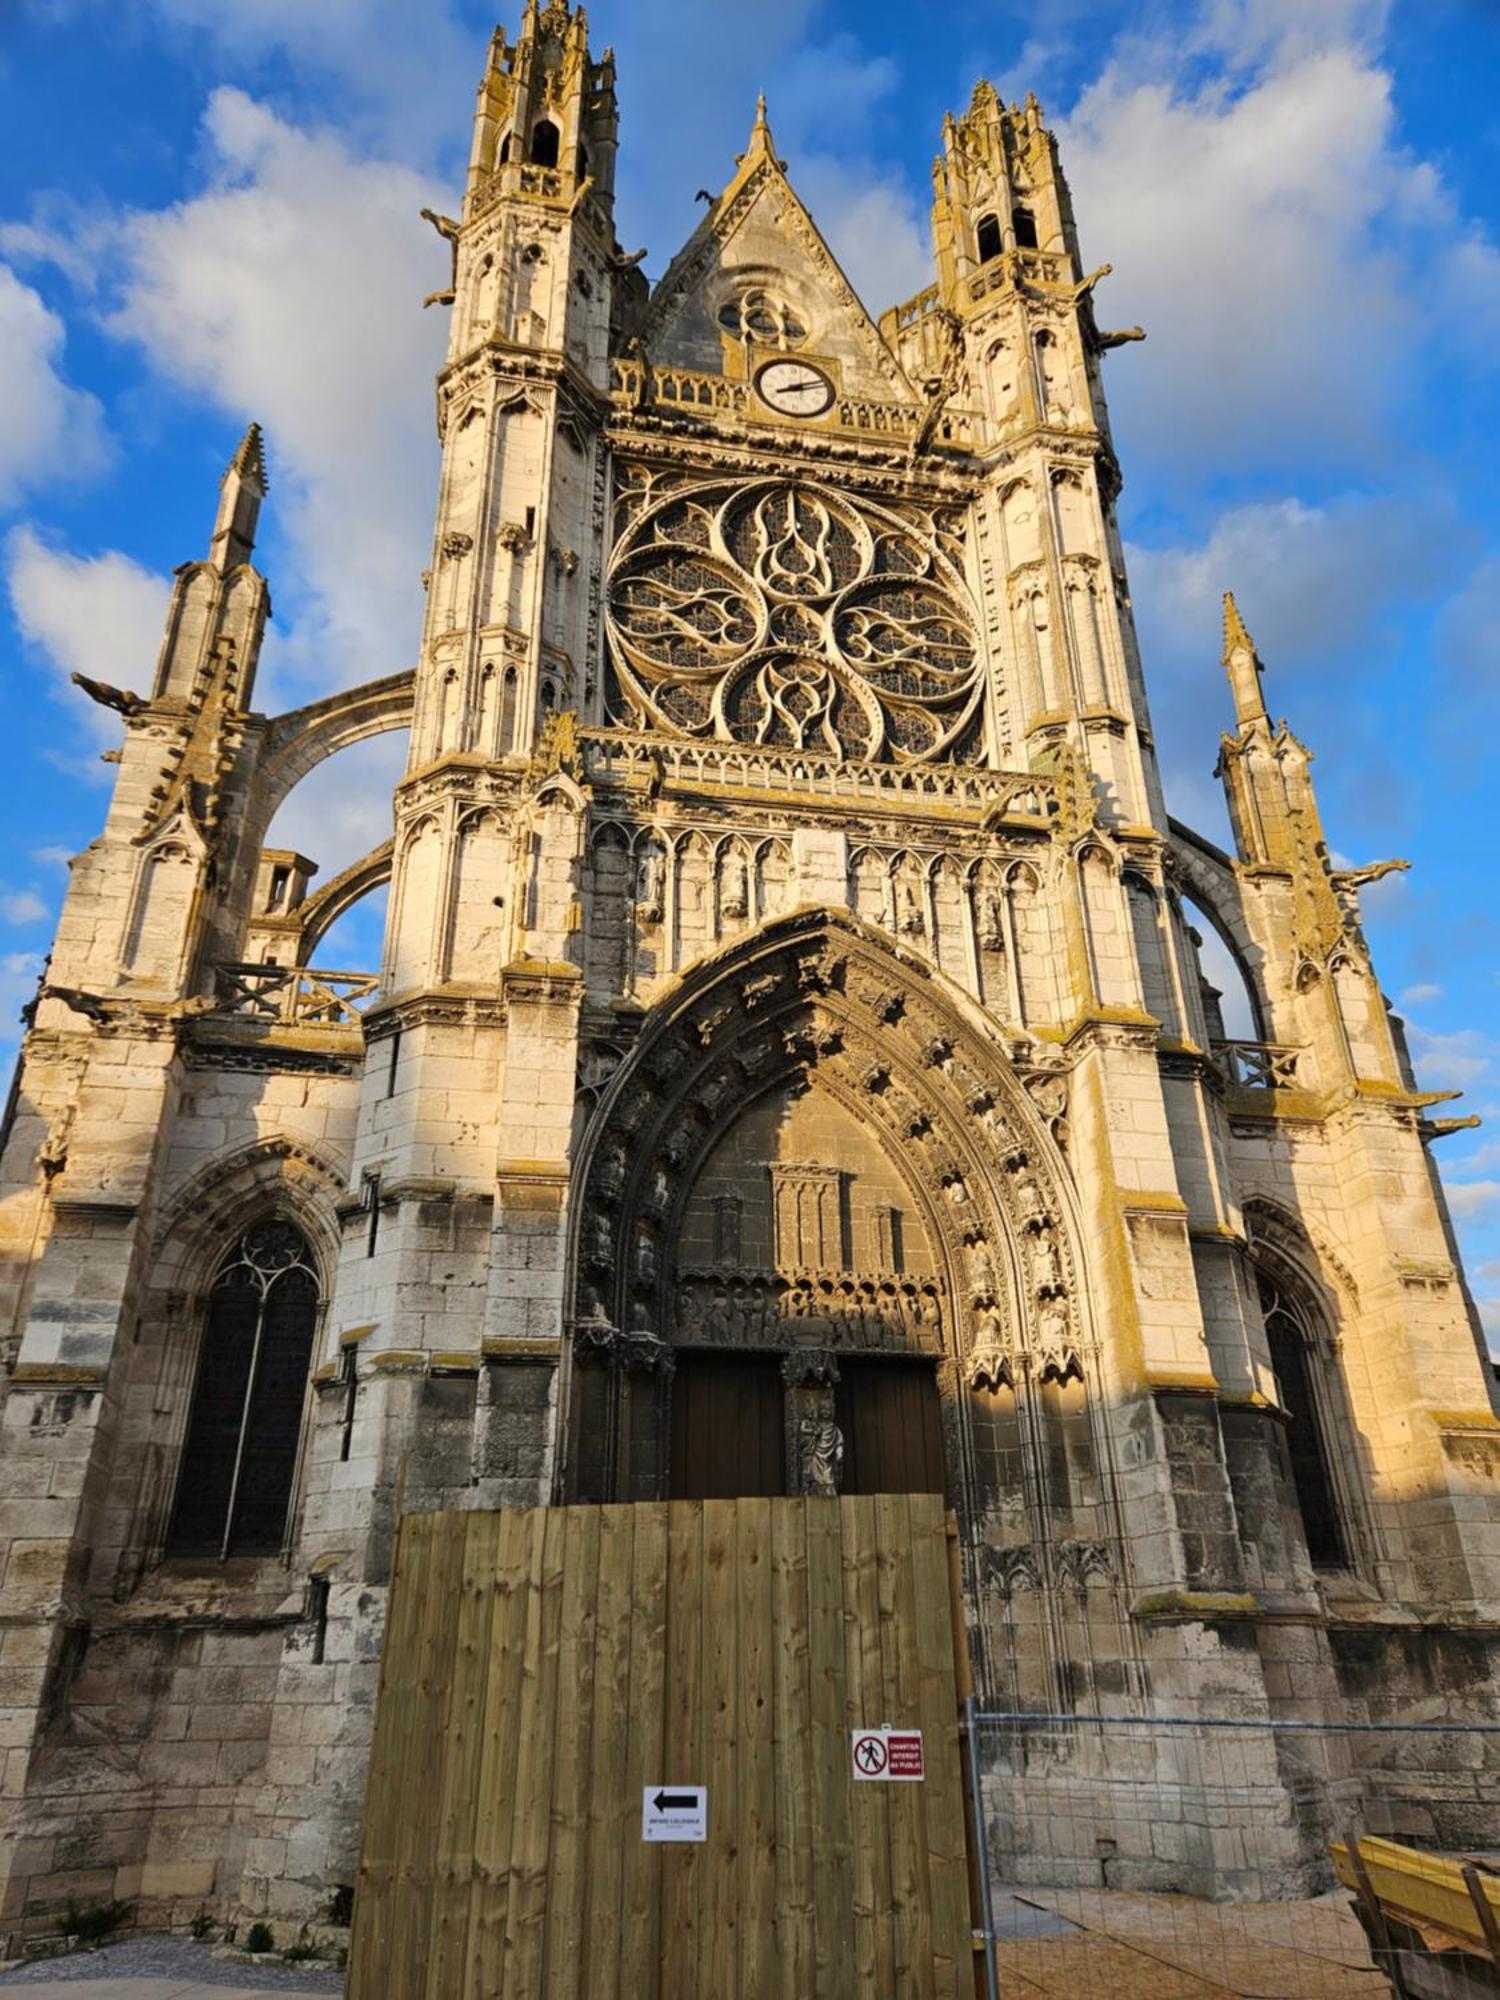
point(823, 1241)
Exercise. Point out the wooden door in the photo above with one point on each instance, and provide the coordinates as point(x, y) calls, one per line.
point(544, 1667)
point(728, 1427)
point(890, 1415)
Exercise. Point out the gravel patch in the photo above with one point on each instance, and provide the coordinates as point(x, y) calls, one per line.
point(176, 1958)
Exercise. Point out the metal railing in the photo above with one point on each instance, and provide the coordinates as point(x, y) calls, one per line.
point(1152, 1856)
point(304, 995)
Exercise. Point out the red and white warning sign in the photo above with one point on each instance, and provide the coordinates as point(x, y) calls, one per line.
point(888, 1756)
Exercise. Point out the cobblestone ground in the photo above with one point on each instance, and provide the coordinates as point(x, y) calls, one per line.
point(173, 1958)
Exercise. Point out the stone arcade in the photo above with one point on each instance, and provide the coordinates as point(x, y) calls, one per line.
point(789, 1070)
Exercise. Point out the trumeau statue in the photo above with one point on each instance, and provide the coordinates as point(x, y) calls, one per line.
point(779, 726)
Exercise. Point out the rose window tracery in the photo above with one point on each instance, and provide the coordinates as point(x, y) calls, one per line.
point(781, 613)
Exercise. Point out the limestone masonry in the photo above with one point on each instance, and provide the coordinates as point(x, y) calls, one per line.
point(789, 1070)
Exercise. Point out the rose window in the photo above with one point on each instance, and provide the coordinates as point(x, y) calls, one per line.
point(781, 613)
point(763, 316)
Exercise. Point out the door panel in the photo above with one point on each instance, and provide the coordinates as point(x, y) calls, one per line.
point(891, 1418)
point(728, 1427)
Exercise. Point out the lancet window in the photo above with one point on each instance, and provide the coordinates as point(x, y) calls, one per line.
point(239, 1456)
point(1296, 1364)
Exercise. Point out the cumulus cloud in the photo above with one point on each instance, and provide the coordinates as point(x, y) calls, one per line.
point(22, 906)
point(1451, 1061)
point(1265, 227)
point(1470, 1198)
point(1419, 995)
point(48, 429)
point(97, 615)
point(289, 289)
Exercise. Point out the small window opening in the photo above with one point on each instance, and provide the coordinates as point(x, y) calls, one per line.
point(280, 880)
point(505, 145)
point(349, 1377)
point(1023, 222)
point(390, 1075)
point(530, 522)
point(545, 140)
point(369, 1194)
point(317, 1611)
point(987, 234)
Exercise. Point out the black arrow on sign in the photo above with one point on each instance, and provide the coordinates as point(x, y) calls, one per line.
point(675, 1801)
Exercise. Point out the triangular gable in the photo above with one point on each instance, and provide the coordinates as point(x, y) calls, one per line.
point(758, 230)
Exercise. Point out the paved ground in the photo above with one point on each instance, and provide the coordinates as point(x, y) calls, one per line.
point(157, 1968)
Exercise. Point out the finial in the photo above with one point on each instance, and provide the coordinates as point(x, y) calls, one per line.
point(1242, 663)
point(241, 491)
point(762, 145)
point(249, 461)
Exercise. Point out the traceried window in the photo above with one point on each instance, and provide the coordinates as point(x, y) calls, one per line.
point(239, 1456)
point(1295, 1362)
point(782, 613)
point(763, 316)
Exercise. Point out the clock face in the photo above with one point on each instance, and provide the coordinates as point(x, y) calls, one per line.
point(794, 388)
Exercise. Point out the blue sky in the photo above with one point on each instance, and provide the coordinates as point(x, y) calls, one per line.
point(208, 212)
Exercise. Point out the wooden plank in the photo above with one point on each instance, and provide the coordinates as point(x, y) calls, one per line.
point(795, 1859)
point(963, 1678)
point(405, 1690)
point(865, 1708)
point(572, 1786)
point(755, 1701)
point(640, 1893)
point(827, 1773)
point(937, 1717)
point(911, 1925)
point(458, 1802)
point(502, 1715)
point(531, 1831)
point(719, 1945)
point(417, 1779)
point(609, 1829)
point(681, 1869)
point(374, 1884)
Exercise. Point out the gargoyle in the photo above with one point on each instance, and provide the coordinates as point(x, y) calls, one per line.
point(80, 1003)
point(623, 263)
point(121, 699)
point(1345, 879)
point(1118, 338)
point(448, 229)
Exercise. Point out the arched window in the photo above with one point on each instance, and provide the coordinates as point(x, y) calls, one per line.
point(240, 1453)
point(1023, 222)
point(545, 140)
point(987, 235)
point(505, 149)
point(1295, 1363)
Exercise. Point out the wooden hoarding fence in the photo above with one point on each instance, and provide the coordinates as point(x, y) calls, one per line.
point(547, 1670)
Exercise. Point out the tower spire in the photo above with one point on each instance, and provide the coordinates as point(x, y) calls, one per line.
point(1242, 664)
point(761, 144)
point(241, 491)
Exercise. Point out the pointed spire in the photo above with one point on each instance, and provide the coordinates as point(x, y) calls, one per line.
point(1242, 663)
point(241, 491)
point(762, 146)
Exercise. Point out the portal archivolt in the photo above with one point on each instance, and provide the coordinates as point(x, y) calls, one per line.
point(814, 1157)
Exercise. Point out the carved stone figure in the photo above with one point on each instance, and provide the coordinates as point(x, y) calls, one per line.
point(909, 918)
point(650, 883)
point(734, 886)
point(822, 1454)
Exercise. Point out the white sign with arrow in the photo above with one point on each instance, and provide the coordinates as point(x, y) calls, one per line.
point(674, 1812)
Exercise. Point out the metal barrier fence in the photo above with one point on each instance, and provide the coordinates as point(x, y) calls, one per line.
point(1147, 1858)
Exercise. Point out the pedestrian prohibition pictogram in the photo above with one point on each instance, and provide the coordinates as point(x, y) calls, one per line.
point(890, 1756)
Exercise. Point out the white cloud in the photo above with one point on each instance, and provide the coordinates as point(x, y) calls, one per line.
point(19, 973)
point(1419, 995)
point(97, 615)
point(22, 906)
point(52, 857)
point(1470, 1198)
point(48, 429)
point(1451, 1061)
point(1267, 229)
point(290, 290)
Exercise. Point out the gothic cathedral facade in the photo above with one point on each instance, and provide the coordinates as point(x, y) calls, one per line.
point(790, 1069)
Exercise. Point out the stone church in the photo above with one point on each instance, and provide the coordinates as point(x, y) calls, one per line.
point(789, 1069)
